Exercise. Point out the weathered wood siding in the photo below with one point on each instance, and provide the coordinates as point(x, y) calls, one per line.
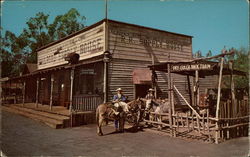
point(208, 82)
point(140, 43)
point(87, 44)
point(120, 75)
point(134, 47)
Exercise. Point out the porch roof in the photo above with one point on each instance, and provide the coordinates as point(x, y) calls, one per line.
point(185, 68)
point(61, 67)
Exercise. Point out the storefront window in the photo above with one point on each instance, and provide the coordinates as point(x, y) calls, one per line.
point(84, 83)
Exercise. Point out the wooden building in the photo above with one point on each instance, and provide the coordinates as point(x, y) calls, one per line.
point(108, 55)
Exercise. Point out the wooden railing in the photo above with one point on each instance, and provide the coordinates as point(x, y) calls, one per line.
point(86, 103)
point(184, 123)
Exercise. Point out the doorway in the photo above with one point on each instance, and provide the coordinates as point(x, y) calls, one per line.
point(141, 90)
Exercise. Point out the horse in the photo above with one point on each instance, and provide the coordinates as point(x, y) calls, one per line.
point(132, 111)
point(136, 112)
point(158, 107)
point(105, 112)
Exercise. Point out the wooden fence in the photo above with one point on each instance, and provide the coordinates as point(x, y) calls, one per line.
point(232, 122)
point(86, 103)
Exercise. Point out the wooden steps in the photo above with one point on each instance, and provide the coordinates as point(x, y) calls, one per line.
point(51, 119)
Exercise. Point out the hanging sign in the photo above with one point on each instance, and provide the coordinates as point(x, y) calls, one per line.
point(191, 67)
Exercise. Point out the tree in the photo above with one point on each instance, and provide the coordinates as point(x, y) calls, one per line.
point(240, 62)
point(17, 50)
point(197, 54)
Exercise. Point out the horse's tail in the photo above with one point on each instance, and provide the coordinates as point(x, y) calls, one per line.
point(97, 115)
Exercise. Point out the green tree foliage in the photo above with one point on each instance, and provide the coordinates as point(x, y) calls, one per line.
point(17, 50)
point(240, 62)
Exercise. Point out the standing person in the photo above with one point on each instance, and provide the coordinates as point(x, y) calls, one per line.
point(149, 97)
point(118, 99)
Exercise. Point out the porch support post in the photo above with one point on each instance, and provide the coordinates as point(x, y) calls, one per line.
point(169, 100)
point(172, 105)
point(105, 82)
point(37, 90)
point(197, 94)
point(24, 84)
point(106, 60)
point(233, 102)
point(189, 90)
point(153, 73)
point(15, 99)
point(71, 89)
point(232, 85)
point(218, 102)
point(51, 91)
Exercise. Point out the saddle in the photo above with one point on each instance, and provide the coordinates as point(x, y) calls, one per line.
point(116, 110)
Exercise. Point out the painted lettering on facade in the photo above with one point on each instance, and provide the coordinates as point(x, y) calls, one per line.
point(150, 39)
point(86, 44)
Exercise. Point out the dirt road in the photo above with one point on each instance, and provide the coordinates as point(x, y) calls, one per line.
point(24, 137)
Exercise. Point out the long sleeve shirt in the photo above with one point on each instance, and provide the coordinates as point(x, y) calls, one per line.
point(119, 98)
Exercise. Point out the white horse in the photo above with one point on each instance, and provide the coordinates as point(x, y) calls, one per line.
point(158, 107)
point(123, 105)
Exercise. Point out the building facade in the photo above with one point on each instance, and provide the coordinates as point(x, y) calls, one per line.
point(109, 54)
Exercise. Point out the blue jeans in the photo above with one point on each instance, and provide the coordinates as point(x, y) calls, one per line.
point(116, 124)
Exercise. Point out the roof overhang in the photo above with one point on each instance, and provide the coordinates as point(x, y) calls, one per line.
point(188, 67)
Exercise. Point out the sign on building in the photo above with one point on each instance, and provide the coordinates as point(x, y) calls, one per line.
point(191, 67)
point(87, 44)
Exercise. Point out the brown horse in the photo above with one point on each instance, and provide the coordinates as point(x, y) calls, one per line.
point(136, 112)
point(105, 112)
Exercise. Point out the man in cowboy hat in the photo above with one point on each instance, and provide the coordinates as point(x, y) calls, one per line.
point(149, 97)
point(149, 100)
point(119, 101)
point(119, 96)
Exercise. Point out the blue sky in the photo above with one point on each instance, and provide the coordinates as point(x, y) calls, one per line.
point(212, 23)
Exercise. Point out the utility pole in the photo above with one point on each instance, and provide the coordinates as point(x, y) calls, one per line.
point(106, 9)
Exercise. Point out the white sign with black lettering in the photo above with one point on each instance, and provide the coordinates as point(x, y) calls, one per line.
point(191, 67)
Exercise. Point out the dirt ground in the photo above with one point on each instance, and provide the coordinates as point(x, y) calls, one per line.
point(21, 136)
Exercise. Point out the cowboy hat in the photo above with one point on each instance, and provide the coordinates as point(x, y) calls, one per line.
point(151, 89)
point(118, 89)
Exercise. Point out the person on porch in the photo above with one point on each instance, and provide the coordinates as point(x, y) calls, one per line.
point(119, 102)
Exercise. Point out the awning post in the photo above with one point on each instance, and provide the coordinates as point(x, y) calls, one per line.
point(24, 84)
point(106, 60)
point(218, 101)
point(71, 88)
point(169, 100)
point(51, 91)
point(37, 90)
point(197, 90)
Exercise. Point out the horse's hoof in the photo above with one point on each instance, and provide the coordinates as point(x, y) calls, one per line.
point(100, 134)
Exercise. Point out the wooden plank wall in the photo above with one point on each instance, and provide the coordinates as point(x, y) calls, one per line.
point(133, 47)
point(120, 75)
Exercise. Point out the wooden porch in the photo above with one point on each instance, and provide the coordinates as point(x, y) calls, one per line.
point(55, 117)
